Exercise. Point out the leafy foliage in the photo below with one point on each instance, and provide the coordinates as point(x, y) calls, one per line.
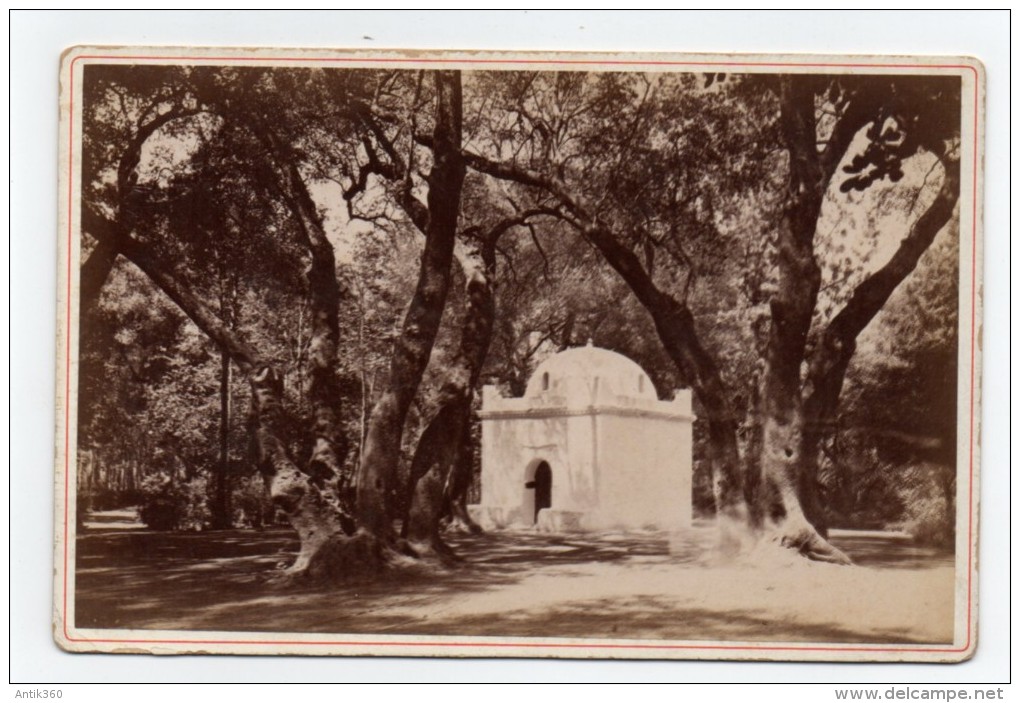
point(252, 506)
point(169, 504)
point(684, 170)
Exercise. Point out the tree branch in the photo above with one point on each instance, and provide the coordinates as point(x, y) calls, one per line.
point(859, 112)
point(416, 210)
point(828, 365)
point(132, 154)
point(869, 297)
point(111, 234)
point(94, 273)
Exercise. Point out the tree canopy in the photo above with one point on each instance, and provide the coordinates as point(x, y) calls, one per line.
point(367, 248)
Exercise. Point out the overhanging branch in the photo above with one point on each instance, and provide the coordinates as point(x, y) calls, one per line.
point(109, 233)
point(828, 364)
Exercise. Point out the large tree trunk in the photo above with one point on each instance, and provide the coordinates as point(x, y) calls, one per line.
point(455, 493)
point(376, 476)
point(434, 457)
point(440, 446)
point(308, 509)
point(783, 427)
point(792, 500)
point(783, 448)
point(322, 386)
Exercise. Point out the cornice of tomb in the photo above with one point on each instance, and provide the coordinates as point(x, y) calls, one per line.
point(544, 411)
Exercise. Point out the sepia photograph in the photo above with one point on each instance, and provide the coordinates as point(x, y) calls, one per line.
point(518, 354)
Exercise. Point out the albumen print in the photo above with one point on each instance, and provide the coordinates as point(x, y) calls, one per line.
point(518, 355)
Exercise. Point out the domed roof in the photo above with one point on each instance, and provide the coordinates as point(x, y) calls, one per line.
point(615, 372)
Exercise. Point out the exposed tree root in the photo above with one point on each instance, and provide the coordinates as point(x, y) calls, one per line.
point(806, 541)
point(734, 542)
point(436, 550)
point(364, 558)
point(341, 559)
point(460, 520)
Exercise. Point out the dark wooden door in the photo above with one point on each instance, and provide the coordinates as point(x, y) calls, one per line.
point(543, 488)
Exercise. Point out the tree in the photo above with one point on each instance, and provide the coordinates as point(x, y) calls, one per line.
point(573, 153)
point(898, 408)
point(710, 200)
point(817, 120)
point(421, 323)
point(313, 499)
point(431, 482)
point(903, 118)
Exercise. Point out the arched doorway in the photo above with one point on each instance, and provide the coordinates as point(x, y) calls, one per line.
point(543, 488)
point(541, 485)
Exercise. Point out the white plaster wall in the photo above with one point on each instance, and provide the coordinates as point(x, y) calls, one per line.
point(644, 466)
point(627, 471)
point(575, 487)
point(512, 447)
point(620, 461)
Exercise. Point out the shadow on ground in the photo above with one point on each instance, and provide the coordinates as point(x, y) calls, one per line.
point(224, 580)
point(509, 584)
point(878, 550)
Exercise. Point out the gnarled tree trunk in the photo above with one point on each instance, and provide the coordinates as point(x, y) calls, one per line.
point(325, 294)
point(308, 509)
point(440, 446)
point(376, 476)
point(792, 306)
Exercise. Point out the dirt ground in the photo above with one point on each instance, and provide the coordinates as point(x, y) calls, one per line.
point(626, 585)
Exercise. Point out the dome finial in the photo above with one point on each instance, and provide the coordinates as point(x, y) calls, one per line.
point(590, 343)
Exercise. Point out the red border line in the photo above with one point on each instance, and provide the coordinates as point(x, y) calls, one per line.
point(534, 62)
point(936, 649)
point(67, 333)
point(971, 565)
point(545, 645)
